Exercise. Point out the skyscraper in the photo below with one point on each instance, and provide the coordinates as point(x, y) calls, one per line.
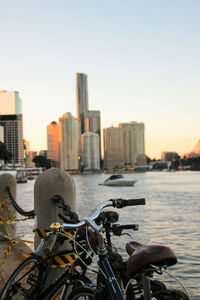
point(81, 98)
point(53, 144)
point(90, 150)
point(134, 143)
point(10, 103)
point(13, 136)
point(1, 134)
point(113, 148)
point(12, 121)
point(70, 142)
point(93, 124)
point(124, 146)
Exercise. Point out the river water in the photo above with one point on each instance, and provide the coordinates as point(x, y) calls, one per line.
point(170, 217)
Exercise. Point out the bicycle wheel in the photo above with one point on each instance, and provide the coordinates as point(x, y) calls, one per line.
point(83, 293)
point(76, 281)
point(24, 280)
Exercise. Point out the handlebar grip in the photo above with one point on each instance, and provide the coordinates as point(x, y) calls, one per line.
point(140, 201)
point(120, 203)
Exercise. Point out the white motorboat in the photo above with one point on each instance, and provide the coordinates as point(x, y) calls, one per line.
point(21, 176)
point(118, 180)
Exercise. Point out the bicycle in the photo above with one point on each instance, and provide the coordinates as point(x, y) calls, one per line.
point(119, 266)
point(107, 287)
point(28, 281)
point(142, 263)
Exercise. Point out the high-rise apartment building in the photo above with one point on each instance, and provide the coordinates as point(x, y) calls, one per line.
point(93, 124)
point(53, 143)
point(92, 121)
point(10, 103)
point(70, 142)
point(90, 151)
point(1, 134)
point(113, 148)
point(12, 121)
point(134, 143)
point(124, 146)
point(81, 98)
point(13, 136)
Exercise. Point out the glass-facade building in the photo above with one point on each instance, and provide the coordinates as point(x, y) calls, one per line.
point(11, 120)
point(70, 142)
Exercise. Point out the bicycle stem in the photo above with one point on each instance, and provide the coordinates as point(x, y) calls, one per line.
point(97, 229)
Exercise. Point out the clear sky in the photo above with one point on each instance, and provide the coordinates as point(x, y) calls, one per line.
point(141, 58)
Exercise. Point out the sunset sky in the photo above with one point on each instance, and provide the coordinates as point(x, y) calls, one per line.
point(141, 58)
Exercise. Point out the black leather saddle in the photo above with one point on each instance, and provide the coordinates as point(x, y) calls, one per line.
point(142, 255)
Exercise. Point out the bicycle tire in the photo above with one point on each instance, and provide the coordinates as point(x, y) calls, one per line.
point(76, 282)
point(82, 293)
point(24, 280)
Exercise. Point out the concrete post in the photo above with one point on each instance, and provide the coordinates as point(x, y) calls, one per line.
point(48, 184)
point(7, 229)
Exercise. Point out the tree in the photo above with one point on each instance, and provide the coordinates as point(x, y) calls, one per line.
point(41, 162)
point(4, 154)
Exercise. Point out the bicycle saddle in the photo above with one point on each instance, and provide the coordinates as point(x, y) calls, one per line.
point(143, 255)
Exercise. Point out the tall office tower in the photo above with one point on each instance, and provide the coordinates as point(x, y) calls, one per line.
point(93, 124)
point(81, 98)
point(113, 148)
point(10, 103)
point(53, 144)
point(13, 136)
point(12, 121)
point(1, 134)
point(134, 145)
point(90, 151)
point(70, 142)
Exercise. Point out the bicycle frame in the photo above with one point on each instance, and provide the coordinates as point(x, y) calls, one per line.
point(107, 276)
point(108, 279)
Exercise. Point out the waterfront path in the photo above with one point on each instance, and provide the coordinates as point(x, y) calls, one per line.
point(14, 258)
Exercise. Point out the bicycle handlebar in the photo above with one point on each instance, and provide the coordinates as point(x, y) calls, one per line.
point(118, 203)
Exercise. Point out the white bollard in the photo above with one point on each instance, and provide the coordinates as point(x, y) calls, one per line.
point(48, 184)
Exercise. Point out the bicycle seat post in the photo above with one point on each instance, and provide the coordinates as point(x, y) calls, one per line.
point(146, 287)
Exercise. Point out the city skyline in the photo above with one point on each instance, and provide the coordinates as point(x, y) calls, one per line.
point(141, 58)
